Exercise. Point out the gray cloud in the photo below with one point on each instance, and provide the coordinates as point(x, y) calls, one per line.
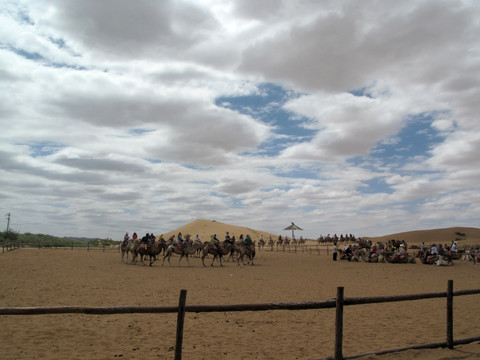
point(109, 115)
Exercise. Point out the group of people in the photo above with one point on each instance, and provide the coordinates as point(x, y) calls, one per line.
point(444, 251)
point(348, 251)
point(183, 242)
point(126, 237)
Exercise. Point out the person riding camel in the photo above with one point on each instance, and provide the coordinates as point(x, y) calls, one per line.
point(373, 250)
point(134, 236)
point(180, 240)
point(401, 252)
point(248, 242)
point(145, 240)
point(151, 239)
point(125, 239)
point(214, 242)
point(227, 237)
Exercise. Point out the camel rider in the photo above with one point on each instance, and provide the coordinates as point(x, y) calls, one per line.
point(180, 240)
point(227, 237)
point(401, 252)
point(373, 250)
point(197, 239)
point(241, 239)
point(454, 247)
point(135, 236)
point(152, 239)
point(213, 241)
point(145, 240)
point(125, 239)
point(248, 242)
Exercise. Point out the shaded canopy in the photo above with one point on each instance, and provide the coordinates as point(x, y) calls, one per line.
point(293, 227)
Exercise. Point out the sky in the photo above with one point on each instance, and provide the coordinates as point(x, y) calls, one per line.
point(341, 116)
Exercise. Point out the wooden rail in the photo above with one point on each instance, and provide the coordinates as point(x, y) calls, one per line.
point(339, 303)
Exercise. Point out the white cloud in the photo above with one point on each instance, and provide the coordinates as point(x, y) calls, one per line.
point(109, 117)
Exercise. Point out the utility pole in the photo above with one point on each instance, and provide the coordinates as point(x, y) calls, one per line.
point(8, 222)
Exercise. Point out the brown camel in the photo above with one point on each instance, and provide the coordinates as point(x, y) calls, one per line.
point(182, 251)
point(245, 250)
point(216, 251)
point(130, 246)
point(400, 259)
point(374, 258)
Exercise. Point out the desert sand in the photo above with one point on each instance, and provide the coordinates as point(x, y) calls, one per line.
point(49, 277)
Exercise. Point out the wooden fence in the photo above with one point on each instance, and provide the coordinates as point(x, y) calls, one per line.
point(64, 244)
point(10, 246)
point(298, 248)
point(339, 303)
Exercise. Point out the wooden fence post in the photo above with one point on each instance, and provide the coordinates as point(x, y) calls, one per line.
point(339, 325)
point(180, 320)
point(450, 314)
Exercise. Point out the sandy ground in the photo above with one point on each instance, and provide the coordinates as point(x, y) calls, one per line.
point(44, 277)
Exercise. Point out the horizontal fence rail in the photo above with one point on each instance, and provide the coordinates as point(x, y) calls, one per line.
point(339, 302)
point(60, 244)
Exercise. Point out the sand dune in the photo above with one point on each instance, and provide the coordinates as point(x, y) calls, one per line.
point(463, 235)
point(206, 228)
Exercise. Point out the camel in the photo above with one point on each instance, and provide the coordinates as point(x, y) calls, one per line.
point(153, 250)
point(395, 244)
point(437, 259)
point(244, 250)
point(374, 258)
point(142, 249)
point(130, 246)
point(400, 259)
point(261, 243)
point(271, 243)
point(469, 255)
point(218, 251)
point(182, 251)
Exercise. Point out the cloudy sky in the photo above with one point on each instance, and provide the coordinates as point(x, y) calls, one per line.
point(342, 116)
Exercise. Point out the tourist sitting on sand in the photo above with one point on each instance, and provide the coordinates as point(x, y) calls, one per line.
point(426, 255)
point(348, 253)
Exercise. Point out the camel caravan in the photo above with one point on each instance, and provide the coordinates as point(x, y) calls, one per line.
point(151, 247)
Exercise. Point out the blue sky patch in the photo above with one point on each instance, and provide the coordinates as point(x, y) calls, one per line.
point(45, 148)
point(267, 106)
point(416, 139)
point(375, 186)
